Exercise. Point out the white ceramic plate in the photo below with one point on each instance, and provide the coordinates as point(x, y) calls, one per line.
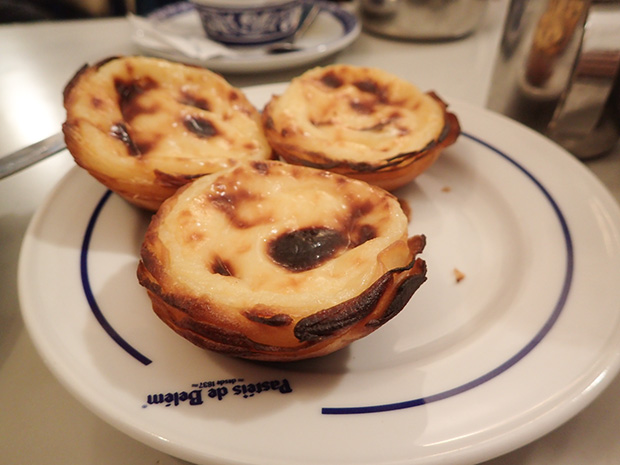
point(469, 370)
point(334, 29)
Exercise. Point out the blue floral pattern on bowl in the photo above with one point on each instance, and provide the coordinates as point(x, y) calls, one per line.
point(243, 25)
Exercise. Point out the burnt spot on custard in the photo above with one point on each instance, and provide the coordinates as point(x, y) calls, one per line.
point(96, 102)
point(306, 248)
point(120, 132)
point(369, 86)
point(200, 126)
point(222, 267)
point(261, 317)
point(268, 122)
point(251, 146)
point(195, 237)
point(357, 231)
point(260, 167)
point(362, 234)
point(196, 102)
point(227, 201)
point(390, 120)
point(361, 208)
point(135, 147)
point(233, 96)
point(128, 92)
point(363, 108)
point(318, 124)
point(332, 80)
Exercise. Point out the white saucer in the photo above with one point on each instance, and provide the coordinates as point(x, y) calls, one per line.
point(333, 30)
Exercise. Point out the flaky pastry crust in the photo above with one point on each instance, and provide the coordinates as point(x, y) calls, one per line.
point(278, 262)
point(361, 122)
point(146, 126)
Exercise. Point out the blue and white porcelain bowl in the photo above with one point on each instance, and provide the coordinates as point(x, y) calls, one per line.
point(246, 22)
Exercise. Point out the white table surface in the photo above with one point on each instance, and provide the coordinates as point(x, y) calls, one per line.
point(40, 422)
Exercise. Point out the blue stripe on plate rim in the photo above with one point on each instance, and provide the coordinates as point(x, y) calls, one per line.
point(538, 337)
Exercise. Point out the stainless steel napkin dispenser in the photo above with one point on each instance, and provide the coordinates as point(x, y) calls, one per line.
point(558, 71)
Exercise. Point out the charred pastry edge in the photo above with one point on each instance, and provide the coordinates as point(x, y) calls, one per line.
point(66, 93)
point(79, 73)
point(324, 325)
point(98, 64)
point(329, 322)
point(448, 136)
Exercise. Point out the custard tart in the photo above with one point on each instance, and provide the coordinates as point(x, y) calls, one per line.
point(360, 122)
point(146, 126)
point(278, 262)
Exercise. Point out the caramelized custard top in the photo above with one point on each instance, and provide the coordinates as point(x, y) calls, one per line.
point(355, 114)
point(147, 115)
point(269, 232)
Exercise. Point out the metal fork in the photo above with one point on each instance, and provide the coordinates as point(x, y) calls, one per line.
point(30, 155)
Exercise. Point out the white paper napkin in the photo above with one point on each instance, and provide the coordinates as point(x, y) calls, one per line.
point(193, 47)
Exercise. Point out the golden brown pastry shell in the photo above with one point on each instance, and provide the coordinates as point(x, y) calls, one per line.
point(386, 169)
point(275, 329)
